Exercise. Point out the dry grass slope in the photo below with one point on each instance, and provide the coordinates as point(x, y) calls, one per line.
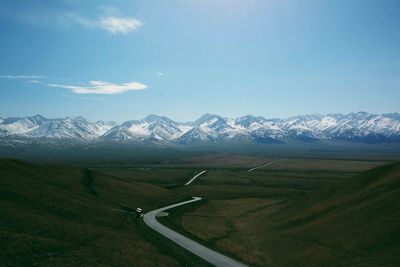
point(60, 216)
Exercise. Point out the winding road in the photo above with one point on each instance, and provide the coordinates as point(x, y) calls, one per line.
point(203, 252)
point(194, 178)
point(265, 165)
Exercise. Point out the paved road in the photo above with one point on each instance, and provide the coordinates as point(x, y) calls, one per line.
point(194, 178)
point(203, 252)
point(265, 165)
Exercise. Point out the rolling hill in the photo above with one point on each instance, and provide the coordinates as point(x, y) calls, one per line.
point(53, 215)
point(353, 223)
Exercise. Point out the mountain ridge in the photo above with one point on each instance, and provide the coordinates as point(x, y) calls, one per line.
point(359, 127)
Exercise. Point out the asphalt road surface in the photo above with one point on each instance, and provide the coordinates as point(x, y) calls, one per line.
point(194, 178)
point(203, 252)
point(265, 165)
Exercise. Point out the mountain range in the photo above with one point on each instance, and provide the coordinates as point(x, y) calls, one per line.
point(210, 128)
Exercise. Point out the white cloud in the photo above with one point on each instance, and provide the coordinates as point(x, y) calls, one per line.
point(101, 87)
point(19, 77)
point(34, 81)
point(119, 25)
point(160, 73)
point(110, 24)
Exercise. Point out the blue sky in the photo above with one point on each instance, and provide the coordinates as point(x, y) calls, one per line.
point(119, 60)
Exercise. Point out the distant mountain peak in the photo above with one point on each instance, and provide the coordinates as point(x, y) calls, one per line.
point(156, 118)
point(206, 117)
point(356, 127)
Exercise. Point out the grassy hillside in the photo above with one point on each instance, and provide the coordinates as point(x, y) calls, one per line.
point(53, 215)
point(353, 223)
point(299, 212)
point(349, 221)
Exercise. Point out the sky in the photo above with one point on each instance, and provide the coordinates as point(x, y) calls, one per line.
point(120, 60)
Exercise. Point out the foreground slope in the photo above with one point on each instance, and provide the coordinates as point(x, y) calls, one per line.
point(62, 216)
point(354, 223)
point(351, 220)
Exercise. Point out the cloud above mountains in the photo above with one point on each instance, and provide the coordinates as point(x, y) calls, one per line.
point(93, 87)
point(19, 77)
point(119, 25)
point(111, 24)
point(102, 87)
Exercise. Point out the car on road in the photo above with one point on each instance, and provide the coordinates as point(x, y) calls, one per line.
point(139, 212)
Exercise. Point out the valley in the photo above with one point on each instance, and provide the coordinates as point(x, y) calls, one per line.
point(228, 133)
point(297, 208)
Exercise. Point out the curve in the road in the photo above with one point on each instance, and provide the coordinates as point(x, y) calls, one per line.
point(265, 165)
point(203, 252)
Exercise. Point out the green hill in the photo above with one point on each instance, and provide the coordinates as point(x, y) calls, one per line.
point(55, 215)
point(347, 220)
point(52, 215)
point(353, 223)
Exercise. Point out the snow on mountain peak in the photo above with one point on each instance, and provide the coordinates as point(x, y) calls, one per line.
point(360, 126)
point(21, 125)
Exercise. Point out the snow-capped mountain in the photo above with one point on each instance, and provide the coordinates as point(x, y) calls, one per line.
point(104, 126)
point(152, 127)
point(16, 125)
point(360, 127)
point(208, 128)
point(67, 128)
